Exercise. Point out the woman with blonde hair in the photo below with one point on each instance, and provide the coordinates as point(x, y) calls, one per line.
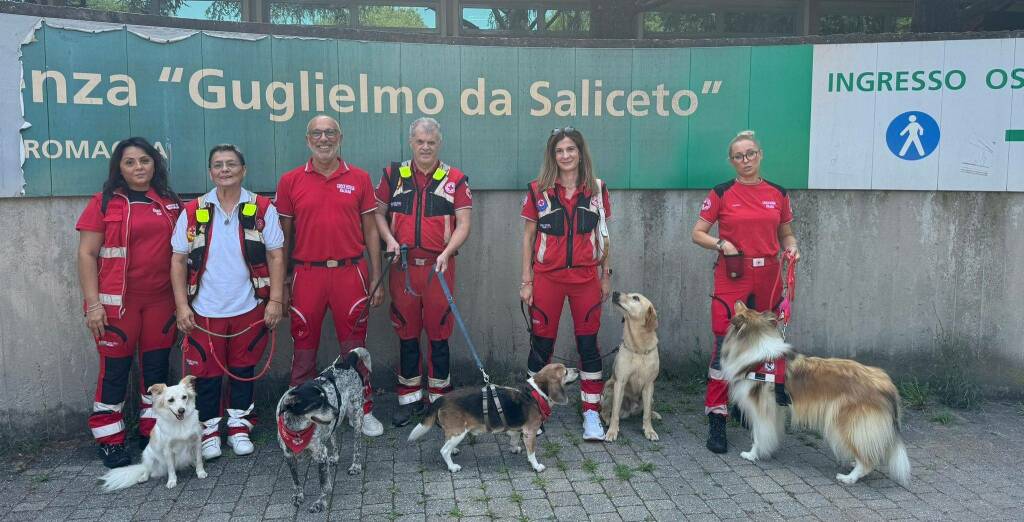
point(565, 255)
point(754, 219)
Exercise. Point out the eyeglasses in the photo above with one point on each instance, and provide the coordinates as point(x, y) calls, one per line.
point(563, 130)
point(231, 165)
point(329, 133)
point(739, 157)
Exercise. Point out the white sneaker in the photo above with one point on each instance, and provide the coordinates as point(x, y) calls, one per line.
point(211, 448)
point(241, 444)
point(371, 426)
point(592, 429)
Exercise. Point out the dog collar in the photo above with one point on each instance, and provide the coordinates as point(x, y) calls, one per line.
point(296, 441)
point(543, 402)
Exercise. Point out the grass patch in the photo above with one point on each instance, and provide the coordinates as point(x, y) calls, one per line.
point(944, 417)
point(589, 466)
point(455, 512)
point(516, 498)
point(562, 466)
point(393, 489)
point(597, 479)
point(1020, 408)
point(551, 449)
point(41, 478)
point(916, 394)
point(574, 439)
point(540, 482)
point(394, 515)
point(646, 467)
point(623, 472)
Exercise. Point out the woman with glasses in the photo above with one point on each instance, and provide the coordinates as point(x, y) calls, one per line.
point(754, 219)
point(227, 272)
point(124, 257)
point(565, 255)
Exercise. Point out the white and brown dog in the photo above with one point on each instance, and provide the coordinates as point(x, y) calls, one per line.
point(855, 407)
point(461, 412)
point(631, 386)
point(175, 442)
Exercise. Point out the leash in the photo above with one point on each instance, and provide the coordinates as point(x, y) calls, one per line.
point(404, 251)
point(533, 349)
point(273, 338)
point(488, 391)
point(789, 292)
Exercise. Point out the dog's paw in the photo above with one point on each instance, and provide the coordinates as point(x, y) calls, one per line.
point(355, 469)
point(171, 484)
point(201, 473)
point(846, 479)
point(651, 434)
point(454, 468)
point(749, 455)
point(539, 468)
point(297, 499)
point(611, 434)
point(318, 506)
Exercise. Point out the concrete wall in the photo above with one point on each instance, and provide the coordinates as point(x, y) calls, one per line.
point(884, 276)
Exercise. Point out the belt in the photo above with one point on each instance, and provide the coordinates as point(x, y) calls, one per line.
point(757, 262)
point(330, 263)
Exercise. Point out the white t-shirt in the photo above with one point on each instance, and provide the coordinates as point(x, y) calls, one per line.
point(225, 289)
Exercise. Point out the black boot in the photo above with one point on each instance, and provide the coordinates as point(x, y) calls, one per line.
point(716, 433)
point(114, 455)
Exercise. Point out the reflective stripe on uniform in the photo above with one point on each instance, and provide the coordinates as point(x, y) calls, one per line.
point(410, 398)
point(438, 383)
point(412, 381)
point(593, 398)
point(253, 235)
point(110, 299)
point(112, 252)
point(590, 376)
point(100, 407)
point(108, 430)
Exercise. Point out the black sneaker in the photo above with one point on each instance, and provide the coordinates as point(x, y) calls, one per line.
point(405, 412)
point(114, 455)
point(716, 433)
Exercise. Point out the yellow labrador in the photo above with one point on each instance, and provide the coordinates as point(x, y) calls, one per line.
point(636, 366)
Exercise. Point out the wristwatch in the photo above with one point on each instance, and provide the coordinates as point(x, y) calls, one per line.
point(720, 244)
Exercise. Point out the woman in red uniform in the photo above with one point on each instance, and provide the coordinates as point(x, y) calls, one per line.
point(754, 219)
point(565, 256)
point(124, 261)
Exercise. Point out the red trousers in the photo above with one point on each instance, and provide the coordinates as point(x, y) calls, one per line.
point(411, 313)
point(760, 288)
point(148, 329)
point(238, 354)
point(549, 295)
point(344, 290)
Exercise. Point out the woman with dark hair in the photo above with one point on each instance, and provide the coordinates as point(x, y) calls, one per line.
point(124, 261)
point(754, 220)
point(565, 255)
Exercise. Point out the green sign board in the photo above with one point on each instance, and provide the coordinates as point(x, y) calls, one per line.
point(654, 118)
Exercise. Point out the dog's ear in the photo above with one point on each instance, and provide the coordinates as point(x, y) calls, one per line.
point(157, 389)
point(771, 318)
point(651, 319)
point(739, 307)
point(189, 381)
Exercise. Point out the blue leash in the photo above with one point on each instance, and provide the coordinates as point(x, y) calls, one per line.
point(460, 322)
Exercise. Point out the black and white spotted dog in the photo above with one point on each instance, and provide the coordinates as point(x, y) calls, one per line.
point(308, 417)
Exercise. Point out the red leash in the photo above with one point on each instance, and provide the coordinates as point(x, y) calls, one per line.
point(786, 306)
point(213, 352)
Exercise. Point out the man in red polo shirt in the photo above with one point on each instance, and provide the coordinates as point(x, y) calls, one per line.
point(425, 205)
point(326, 208)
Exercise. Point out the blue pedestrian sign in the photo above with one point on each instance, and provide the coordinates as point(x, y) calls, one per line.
point(912, 135)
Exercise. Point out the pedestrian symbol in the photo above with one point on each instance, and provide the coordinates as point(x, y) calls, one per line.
point(912, 135)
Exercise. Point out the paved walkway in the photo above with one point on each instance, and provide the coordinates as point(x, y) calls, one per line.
point(966, 468)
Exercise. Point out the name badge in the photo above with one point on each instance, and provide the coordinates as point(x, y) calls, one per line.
point(758, 261)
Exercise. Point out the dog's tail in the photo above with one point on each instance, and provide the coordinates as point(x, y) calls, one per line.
point(124, 477)
point(899, 464)
point(429, 419)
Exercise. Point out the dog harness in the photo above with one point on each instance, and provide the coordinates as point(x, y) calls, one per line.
point(770, 371)
point(296, 441)
point(543, 401)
